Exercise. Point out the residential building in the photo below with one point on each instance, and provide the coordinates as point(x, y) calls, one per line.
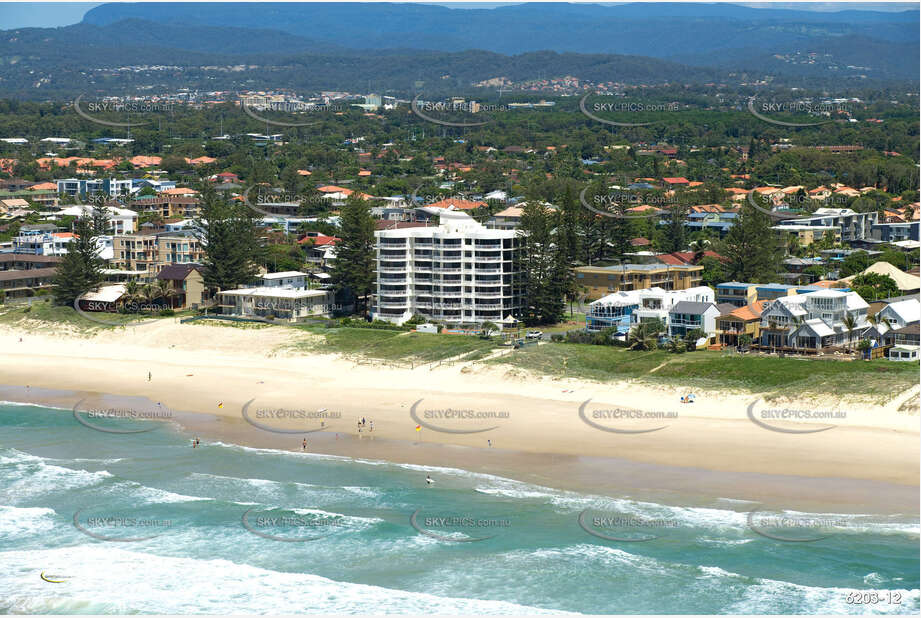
point(22, 275)
point(613, 311)
point(908, 335)
point(41, 197)
point(907, 284)
point(904, 353)
point(188, 285)
point(459, 272)
point(151, 252)
point(278, 303)
point(508, 219)
point(602, 280)
point(168, 205)
point(739, 322)
point(656, 303)
point(898, 315)
point(736, 293)
point(808, 234)
point(119, 220)
point(291, 279)
point(686, 316)
point(43, 239)
point(813, 321)
point(895, 232)
point(852, 225)
point(88, 186)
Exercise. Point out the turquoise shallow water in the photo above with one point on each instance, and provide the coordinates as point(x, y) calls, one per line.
point(367, 557)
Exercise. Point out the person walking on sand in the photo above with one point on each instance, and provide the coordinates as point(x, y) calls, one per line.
point(149, 376)
point(372, 426)
point(304, 445)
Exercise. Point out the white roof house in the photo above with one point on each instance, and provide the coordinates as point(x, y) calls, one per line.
point(106, 294)
point(123, 221)
point(815, 319)
point(900, 314)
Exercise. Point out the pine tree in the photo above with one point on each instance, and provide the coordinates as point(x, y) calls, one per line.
point(543, 271)
point(675, 234)
point(231, 242)
point(80, 269)
point(100, 215)
point(354, 267)
point(752, 248)
point(568, 241)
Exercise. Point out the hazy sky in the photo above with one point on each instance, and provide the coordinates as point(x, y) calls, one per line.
point(51, 14)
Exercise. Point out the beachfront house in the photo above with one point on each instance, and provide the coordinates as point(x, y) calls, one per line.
point(612, 311)
point(738, 323)
point(656, 303)
point(187, 283)
point(686, 316)
point(814, 321)
point(277, 303)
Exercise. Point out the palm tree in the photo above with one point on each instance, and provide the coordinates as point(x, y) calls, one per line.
point(165, 291)
point(798, 321)
point(876, 321)
point(132, 292)
point(850, 323)
point(643, 336)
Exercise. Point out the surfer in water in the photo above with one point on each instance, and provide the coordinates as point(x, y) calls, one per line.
point(428, 480)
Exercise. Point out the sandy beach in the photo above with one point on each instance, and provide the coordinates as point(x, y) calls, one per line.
point(489, 419)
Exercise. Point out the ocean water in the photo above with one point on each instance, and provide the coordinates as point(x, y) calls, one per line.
point(333, 534)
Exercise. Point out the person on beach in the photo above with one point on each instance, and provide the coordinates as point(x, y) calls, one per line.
point(372, 426)
point(428, 480)
point(304, 445)
point(149, 375)
point(489, 442)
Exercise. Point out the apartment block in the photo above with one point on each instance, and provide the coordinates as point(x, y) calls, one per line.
point(603, 280)
point(459, 272)
point(851, 225)
point(151, 252)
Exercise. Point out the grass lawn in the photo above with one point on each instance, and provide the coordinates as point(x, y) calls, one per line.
point(704, 369)
point(44, 310)
point(575, 322)
point(394, 345)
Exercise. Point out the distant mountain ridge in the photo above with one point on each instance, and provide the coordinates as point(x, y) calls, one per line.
point(389, 47)
point(648, 29)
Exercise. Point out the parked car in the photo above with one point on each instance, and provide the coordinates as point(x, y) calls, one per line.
point(534, 334)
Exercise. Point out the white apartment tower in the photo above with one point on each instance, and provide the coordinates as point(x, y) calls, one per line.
point(457, 273)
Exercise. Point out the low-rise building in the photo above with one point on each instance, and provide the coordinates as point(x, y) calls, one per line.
point(602, 280)
point(657, 303)
point(814, 320)
point(187, 283)
point(277, 303)
point(736, 293)
point(687, 316)
point(852, 225)
point(23, 275)
point(151, 252)
point(740, 322)
point(292, 279)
